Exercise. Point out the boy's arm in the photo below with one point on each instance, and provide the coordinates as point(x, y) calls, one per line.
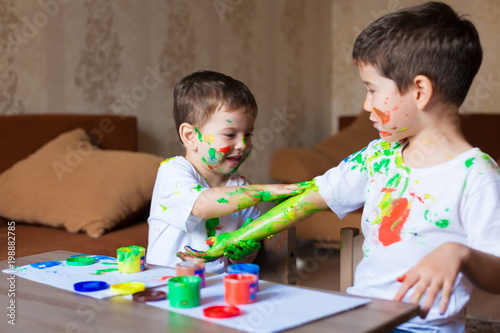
point(438, 270)
point(278, 218)
point(221, 201)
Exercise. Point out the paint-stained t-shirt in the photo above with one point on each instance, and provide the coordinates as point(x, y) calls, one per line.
point(171, 225)
point(408, 212)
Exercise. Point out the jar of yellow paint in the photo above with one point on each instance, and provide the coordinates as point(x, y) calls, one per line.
point(130, 259)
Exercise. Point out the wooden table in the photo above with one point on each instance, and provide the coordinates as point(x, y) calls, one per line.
point(42, 308)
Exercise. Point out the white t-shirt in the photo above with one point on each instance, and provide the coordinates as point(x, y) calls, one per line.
point(171, 225)
point(408, 212)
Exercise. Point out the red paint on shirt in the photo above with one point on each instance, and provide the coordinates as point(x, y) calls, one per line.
point(392, 223)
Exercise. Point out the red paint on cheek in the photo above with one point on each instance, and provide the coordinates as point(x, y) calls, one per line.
point(223, 150)
point(384, 116)
point(392, 223)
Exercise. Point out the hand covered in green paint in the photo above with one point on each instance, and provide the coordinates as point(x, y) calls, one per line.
point(241, 249)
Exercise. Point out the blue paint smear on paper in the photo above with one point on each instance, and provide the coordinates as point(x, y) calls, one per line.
point(100, 257)
point(46, 264)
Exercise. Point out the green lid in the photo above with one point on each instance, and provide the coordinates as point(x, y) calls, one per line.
point(80, 261)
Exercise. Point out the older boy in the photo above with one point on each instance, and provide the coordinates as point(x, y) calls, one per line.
point(431, 217)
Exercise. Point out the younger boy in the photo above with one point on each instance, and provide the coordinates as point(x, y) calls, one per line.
point(199, 195)
point(431, 217)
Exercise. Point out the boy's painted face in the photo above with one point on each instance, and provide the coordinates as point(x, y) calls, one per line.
point(394, 115)
point(225, 141)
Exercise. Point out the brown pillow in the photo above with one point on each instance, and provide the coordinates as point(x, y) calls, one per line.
point(73, 184)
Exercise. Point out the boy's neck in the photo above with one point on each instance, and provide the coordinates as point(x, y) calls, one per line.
point(439, 141)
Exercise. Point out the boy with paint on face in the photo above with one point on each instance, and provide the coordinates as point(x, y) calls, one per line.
point(199, 195)
point(431, 217)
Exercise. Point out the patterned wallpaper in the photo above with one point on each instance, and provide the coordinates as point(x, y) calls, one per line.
point(124, 57)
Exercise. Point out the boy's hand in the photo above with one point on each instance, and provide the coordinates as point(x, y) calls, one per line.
point(241, 249)
point(435, 272)
point(279, 192)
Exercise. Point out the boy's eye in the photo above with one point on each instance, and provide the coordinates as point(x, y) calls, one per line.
point(229, 135)
point(248, 135)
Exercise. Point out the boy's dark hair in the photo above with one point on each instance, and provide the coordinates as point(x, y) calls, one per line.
point(431, 40)
point(200, 94)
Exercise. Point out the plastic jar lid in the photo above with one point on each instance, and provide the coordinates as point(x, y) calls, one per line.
point(89, 286)
point(127, 288)
point(221, 311)
point(149, 296)
point(80, 261)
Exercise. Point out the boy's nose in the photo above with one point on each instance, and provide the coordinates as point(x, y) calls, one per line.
point(367, 106)
point(241, 144)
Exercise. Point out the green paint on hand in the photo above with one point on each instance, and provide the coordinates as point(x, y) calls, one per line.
point(222, 200)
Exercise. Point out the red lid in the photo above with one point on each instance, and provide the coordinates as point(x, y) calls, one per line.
point(221, 311)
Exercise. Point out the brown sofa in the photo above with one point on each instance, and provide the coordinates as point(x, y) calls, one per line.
point(21, 135)
point(291, 165)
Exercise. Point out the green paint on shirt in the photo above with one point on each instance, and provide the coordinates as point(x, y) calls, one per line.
point(198, 188)
point(469, 162)
point(163, 208)
point(211, 225)
point(443, 223)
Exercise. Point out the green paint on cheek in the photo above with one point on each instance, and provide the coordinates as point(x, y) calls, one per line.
point(244, 140)
point(200, 136)
point(443, 223)
point(211, 153)
point(229, 121)
point(222, 200)
point(469, 162)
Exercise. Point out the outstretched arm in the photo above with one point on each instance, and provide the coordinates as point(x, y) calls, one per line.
point(279, 218)
point(221, 201)
point(438, 270)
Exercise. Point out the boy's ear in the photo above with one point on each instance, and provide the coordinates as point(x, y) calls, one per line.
point(188, 136)
point(423, 91)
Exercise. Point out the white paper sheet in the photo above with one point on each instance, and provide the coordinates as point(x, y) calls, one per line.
point(278, 307)
point(60, 275)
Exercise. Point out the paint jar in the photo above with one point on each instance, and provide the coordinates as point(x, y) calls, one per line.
point(130, 259)
point(245, 268)
point(240, 288)
point(188, 268)
point(184, 291)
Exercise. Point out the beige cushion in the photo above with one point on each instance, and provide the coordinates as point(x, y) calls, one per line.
point(73, 184)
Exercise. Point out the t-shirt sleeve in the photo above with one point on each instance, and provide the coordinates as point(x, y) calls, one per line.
point(344, 187)
point(481, 215)
point(178, 186)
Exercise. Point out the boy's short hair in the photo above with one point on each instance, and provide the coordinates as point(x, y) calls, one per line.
point(200, 94)
point(431, 40)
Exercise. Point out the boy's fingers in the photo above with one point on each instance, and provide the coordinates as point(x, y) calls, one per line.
point(430, 297)
point(445, 298)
